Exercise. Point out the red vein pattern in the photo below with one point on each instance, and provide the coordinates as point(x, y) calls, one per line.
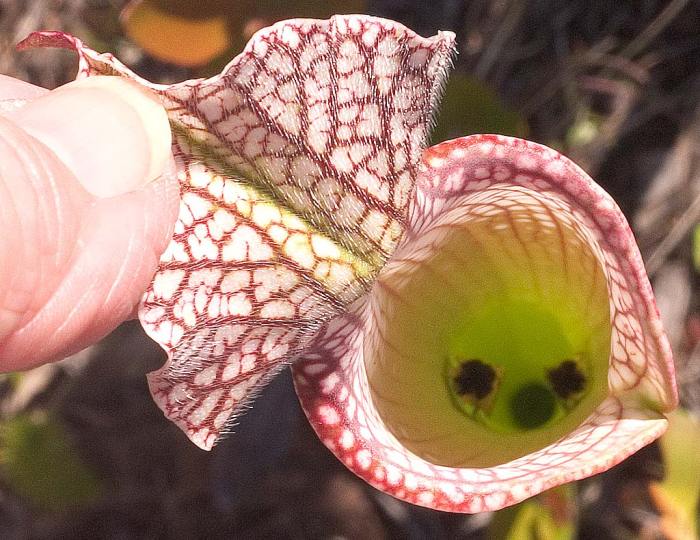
point(480, 178)
point(297, 164)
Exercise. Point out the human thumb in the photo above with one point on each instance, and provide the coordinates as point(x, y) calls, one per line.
point(88, 201)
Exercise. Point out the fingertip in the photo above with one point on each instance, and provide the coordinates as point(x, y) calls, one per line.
point(15, 89)
point(112, 133)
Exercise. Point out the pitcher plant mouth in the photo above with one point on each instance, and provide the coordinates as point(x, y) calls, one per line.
point(510, 344)
point(492, 330)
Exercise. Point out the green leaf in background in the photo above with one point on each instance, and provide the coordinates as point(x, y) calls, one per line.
point(696, 248)
point(12, 378)
point(546, 517)
point(676, 497)
point(38, 462)
point(469, 106)
point(584, 130)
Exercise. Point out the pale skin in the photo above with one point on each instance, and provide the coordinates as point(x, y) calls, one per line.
point(88, 201)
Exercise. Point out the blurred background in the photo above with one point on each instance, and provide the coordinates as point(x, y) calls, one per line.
point(85, 453)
